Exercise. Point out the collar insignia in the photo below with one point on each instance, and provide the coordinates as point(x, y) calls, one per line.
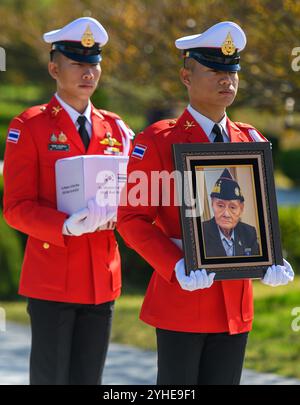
point(189, 124)
point(56, 110)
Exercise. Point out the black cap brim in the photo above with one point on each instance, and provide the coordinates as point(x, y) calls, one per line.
point(77, 52)
point(214, 59)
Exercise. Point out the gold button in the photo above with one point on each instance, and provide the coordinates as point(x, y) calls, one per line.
point(46, 245)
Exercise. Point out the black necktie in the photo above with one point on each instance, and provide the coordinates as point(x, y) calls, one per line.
point(216, 130)
point(82, 131)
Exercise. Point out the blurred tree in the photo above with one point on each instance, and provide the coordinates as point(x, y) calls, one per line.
point(141, 63)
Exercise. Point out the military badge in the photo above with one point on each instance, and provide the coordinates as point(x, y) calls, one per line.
point(53, 138)
point(88, 39)
point(62, 137)
point(217, 188)
point(59, 147)
point(189, 124)
point(247, 251)
point(112, 151)
point(228, 47)
point(110, 141)
point(56, 110)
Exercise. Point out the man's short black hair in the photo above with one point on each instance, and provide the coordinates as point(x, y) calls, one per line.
point(189, 63)
point(53, 55)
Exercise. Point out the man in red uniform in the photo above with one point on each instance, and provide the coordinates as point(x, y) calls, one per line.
point(201, 325)
point(71, 270)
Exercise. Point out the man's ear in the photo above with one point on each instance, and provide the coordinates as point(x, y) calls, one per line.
point(242, 207)
point(53, 69)
point(185, 76)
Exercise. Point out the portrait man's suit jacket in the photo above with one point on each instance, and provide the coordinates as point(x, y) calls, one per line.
point(245, 240)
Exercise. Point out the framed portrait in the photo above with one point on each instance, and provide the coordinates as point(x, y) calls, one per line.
point(228, 208)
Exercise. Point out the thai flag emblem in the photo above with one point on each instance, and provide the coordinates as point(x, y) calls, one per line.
point(13, 135)
point(139, 151)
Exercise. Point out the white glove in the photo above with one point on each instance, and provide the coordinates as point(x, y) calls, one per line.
point(109, 226)
point(75, 224)
point(87, 220)
point(195, 281)
point(278, 275)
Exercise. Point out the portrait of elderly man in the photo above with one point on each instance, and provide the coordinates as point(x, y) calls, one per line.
point(225, 234)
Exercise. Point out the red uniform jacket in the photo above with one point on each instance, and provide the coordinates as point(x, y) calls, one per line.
point(225, 307)
point(83, 269)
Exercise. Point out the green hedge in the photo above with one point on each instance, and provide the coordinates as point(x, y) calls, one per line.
point(289, 162)
point(289, 218)
point(136, 272)
point(1, 192)
point(3, 134)
point(11, 253)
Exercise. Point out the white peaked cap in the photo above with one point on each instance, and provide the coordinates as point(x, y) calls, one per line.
point(75, 30)
point(214, 37)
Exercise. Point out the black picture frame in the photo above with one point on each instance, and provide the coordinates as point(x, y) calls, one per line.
point(193, 162)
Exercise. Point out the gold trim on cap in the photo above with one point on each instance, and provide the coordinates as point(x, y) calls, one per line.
point(87, 38)
point(228, 47)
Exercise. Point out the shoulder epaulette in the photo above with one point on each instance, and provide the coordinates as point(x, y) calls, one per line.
point(32, 112)
point(109, 114)
point(244, 125)
point(162, 125)
point(252, 132)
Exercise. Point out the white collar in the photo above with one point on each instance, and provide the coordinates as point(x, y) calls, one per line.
point(73, 113)
point(205, 123)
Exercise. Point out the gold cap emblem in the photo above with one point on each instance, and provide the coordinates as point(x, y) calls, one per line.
point(88, 39)
point(228, 47)
point(217, 188)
